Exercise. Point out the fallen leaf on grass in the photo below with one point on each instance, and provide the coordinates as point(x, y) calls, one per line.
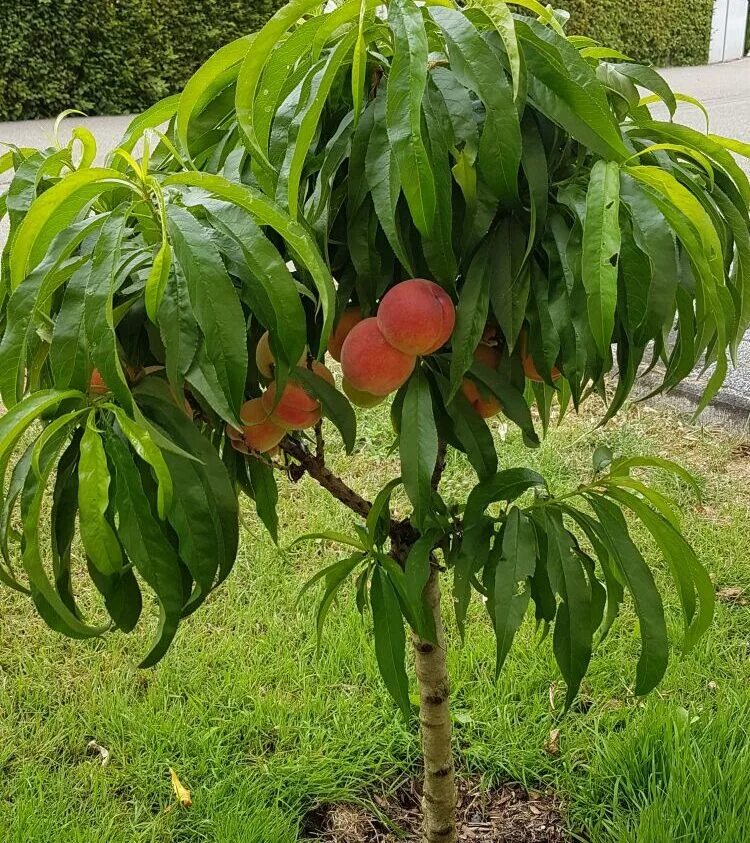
point(732, 594)
point(93, 748)
point(180, 791)
point(552, 747)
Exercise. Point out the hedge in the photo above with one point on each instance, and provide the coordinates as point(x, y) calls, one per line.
point(663, 32)
point(118, 56)
point(110, 56)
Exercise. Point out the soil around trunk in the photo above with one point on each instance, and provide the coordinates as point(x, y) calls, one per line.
point(507, 814)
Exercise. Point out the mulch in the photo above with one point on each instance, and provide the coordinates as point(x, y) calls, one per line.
point(507, 814)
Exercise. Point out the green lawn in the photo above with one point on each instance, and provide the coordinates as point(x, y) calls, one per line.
point(261, 730)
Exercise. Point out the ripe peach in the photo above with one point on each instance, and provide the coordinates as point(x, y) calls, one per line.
point(529, 367)
point(416, 316)
point(370, 363)
point(236, 439)
point(96, 384)
point(260, 431)
point(483, 402)
point(360, 398)
point(348, 319)
point(294, 407)
point(264, 359)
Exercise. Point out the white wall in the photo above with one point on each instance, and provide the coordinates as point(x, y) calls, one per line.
point(728, 30)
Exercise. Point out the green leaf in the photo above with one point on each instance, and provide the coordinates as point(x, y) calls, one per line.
point(418, 446)
point(99, 326)
point(305, 123)
point(382, 175)
point(471, 316)
point(479, 69)
point(31, 303)
point(472, 555)
point(688, 573)
point(407, 81)
point(623, 465)
point(215, 74)
point(215, 304)
point(511, 399)
point(54, 211)
point(146, 546)
point(474, 435)
point(294, 233)
point(416, 574)
point(204, 509)
point(512, 562)
point(54, 610)
point(266, 40)
point(648, 78)
point(359, 62)
point(159, 113)
point(265, 494)
point(68, 353)
point(601, 251)
point(390, 638)
point(506, 485)
point(574, 628)
point(379, 517)
point(335, 405)
point(157, 279)
point(16, 420)
point(144, 445)
point(178, 329)
point(640, 582)
point(502, 19)
point(563, 86)
point(98, 538)
point(335, 576)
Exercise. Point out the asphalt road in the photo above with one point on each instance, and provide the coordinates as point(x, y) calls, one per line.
point(724, 89)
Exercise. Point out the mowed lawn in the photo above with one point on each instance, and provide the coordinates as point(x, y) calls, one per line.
point(261, 730)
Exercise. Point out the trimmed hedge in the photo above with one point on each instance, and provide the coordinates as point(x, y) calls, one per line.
point(119, 56)
point(110, 56)
point(663, 32)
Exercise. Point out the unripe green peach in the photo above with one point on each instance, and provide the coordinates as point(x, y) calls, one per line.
point(360, 398)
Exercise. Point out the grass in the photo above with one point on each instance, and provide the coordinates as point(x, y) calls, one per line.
point(261, 730)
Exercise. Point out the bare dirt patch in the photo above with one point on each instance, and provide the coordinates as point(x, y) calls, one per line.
point(508, 814)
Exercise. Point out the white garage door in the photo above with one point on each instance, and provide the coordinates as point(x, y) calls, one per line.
point(728, 30)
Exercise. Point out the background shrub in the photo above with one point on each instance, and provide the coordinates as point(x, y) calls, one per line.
point(118, 56)
point(110, 56)
point(663, 32)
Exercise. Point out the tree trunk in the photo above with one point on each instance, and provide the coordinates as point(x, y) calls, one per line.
point(439, 793)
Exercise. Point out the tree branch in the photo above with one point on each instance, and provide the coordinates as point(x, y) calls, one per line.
point(403, 535)
point(315, 467)
point(437, 473)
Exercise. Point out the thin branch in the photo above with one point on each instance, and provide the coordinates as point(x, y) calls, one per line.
point(319, 442)
point(325, 477)
point(402, 534)
point(439, 463)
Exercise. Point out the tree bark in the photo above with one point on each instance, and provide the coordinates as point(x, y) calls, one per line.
point(439, 791)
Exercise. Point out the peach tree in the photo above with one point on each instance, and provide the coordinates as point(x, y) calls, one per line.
point(477, 215)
